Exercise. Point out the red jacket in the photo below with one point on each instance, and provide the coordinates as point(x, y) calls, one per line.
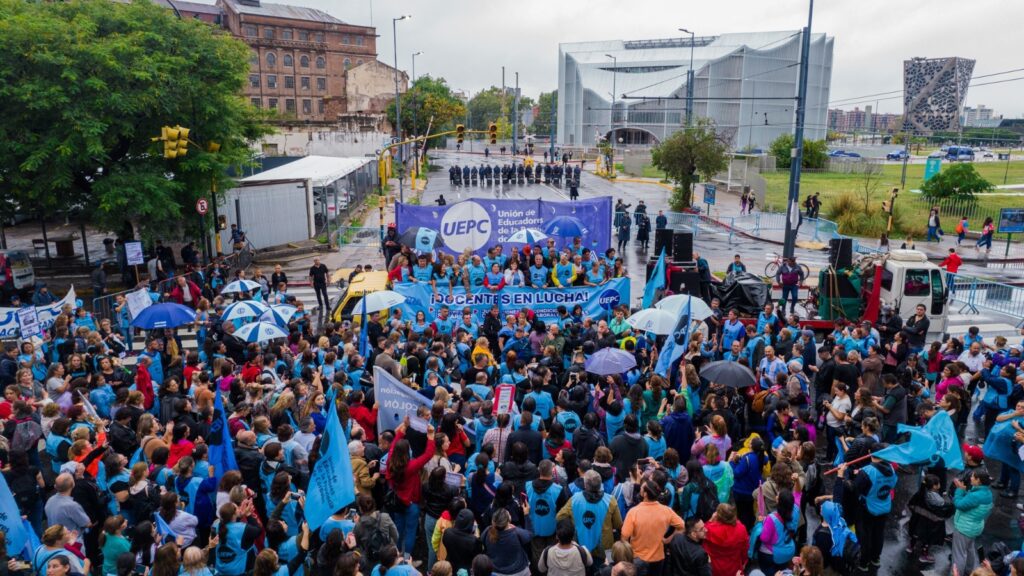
point(952, 263)
point(407, 486)
point(144, 384)
point(727, 547)
point(178, 295)
point(366, 418)
point(251, 372)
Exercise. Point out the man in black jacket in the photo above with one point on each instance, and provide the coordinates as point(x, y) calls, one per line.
point(627, 447)
point(9, 365)
point(533, 439)
point(587, 439)
point(94, 502)
point(249, 458)
point(122, 438)
point(889, 323)
point(686, 552)
point(916, 329)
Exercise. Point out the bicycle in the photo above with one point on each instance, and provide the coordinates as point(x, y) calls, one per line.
point(775, 262)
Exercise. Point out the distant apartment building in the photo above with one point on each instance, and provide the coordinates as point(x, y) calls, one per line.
point(981, 116)
point(858, 120)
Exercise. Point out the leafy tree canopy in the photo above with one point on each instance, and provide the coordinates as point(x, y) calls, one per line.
point(698, 149)
point(86, 84)
point(547, 110)
point(428, 98)
point(815, 152)
point(960, 181)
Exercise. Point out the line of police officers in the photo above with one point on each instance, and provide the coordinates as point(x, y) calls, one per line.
point(514, 173)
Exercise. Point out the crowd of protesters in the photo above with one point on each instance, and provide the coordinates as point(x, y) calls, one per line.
point(648, 472)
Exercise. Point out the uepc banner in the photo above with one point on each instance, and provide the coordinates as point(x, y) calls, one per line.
point(394, 400)
point(597, 301)
point(10, 327)
point(478, 223)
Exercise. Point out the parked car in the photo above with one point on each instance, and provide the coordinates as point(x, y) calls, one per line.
point(960, 154)
point(897, 155)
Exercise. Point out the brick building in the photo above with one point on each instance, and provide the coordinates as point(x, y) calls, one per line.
point(301, 59)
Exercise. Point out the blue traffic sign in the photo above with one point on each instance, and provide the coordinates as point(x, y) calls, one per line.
point(709, 193)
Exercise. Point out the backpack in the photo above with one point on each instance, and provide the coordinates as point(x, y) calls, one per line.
point(26, 436)
point(960, 228)
point(375, 541)
point(759, 401)
point(851, 555)
point(707, 501)
point(580, 549)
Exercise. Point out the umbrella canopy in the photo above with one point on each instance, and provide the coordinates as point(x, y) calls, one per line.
point(565, 227)
point(166, 315)
point(676, 305)
point(653, 320)
point(728, 373)
point(244, 309)
point(421, 239)
point(379, 300)
point(239, 286)
point(279, 314)
point(608, 361)
point(259, 332)
point(527, 236)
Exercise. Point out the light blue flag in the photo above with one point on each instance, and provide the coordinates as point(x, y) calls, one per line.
point(10, 519)
point(331, 486)
point(162, 528)
point(676, 343)
point(947, 444)
point(918, 449)
point(999, 444)
point(656, 282)
point(32, 543)
point(840, 452)
point(221, 454)
point(396, 400)
point(364, 344)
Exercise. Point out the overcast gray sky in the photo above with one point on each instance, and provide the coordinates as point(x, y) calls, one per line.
point(467, 41)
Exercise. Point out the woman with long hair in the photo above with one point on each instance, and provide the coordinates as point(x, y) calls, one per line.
point(776, 544)
point(165, 562)
point(268, 562)
point(505, 544)
point(403, 476)
point(237, 533)
point(747, 465)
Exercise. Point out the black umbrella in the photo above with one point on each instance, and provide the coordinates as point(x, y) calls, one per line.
point(728, 373)
point(421, 239)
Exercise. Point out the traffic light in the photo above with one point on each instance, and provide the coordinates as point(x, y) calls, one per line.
point(175, 140)
point(460, 132)
point(492, 132)
point(222, 222)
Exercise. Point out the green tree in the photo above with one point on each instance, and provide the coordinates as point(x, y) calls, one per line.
point(485, 107)
point(547, 109)
point(698, 149)
point(959, 181)
point(85, 85)
point(428, 98)
point(815, 152)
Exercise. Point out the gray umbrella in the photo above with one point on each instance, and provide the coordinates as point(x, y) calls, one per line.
point(728, 373)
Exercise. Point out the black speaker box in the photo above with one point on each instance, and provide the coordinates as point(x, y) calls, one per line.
point(684, 281)
point(682, 246)
point(663, 239)
point(840, 252)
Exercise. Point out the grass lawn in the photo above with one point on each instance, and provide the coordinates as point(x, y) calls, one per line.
point(831, 185)
point(652, 172)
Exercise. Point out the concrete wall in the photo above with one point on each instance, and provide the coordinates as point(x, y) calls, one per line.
point(323, 142)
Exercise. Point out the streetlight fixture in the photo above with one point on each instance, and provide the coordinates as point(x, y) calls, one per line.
point(689, 79)
point(398, 100)
point(615, 77)
point(414, 55)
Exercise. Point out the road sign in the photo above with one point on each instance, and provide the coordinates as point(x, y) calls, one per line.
point(709, 193)
point(202, 206)
point(1011, 221)
point(932, 167)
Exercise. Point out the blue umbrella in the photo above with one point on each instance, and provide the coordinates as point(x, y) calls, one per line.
point(239, 286)
point(259, 332)
point(166, 315)
point(608, 361)
point(279, 314)
point(565, 227)
point(527, 236)
point(244, 309)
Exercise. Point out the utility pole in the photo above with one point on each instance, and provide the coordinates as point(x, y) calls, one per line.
point(793, 206)
point(615, 77)
point(411, 83)
point(515, 118)
point(551, 120)
point(398, 104)
point(689, 80)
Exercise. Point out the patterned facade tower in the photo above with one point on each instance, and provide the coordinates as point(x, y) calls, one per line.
point(934, 90)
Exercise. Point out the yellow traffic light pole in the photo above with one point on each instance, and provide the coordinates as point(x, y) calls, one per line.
point(176, 141)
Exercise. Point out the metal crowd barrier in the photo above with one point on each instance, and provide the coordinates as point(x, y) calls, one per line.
point(976, 294)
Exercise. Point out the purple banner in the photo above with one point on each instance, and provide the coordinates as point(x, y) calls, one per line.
point(479, 223)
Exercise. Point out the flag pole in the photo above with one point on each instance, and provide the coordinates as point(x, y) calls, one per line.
point(854, 461)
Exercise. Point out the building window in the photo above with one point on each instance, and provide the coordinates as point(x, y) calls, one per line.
point(345, 39)
point(254, 80)
point(271, 81)
point(254, 58)
point(249, 30)
point(305, 83)
point(320, 106)
point(321, 62)
point(255, 102)
point(268, 33)
point(289, 82)
point(304, 35)
point(320, 37)
point(287, 34)
point(271, 59)
point(272, 103)
point(288, 61)
point(304, 61)
point(307, 106)
point(289, 105)
point(321, 84)
point(359, 40)
point(348, 63)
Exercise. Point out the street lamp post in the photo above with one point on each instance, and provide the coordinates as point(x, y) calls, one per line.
point(792, 208)
point(615, 77)
point(415, 127)
point(689, 79)
point(398, 102)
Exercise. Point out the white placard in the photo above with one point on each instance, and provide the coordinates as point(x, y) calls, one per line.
point(28, 322)
point(138, 301)
point(133, 253)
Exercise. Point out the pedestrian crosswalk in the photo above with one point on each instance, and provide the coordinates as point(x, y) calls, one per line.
point(304, 294)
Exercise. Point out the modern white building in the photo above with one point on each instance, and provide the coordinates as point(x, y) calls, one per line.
point(745, 82)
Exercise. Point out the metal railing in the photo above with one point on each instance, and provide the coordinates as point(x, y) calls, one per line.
point(976, 294)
